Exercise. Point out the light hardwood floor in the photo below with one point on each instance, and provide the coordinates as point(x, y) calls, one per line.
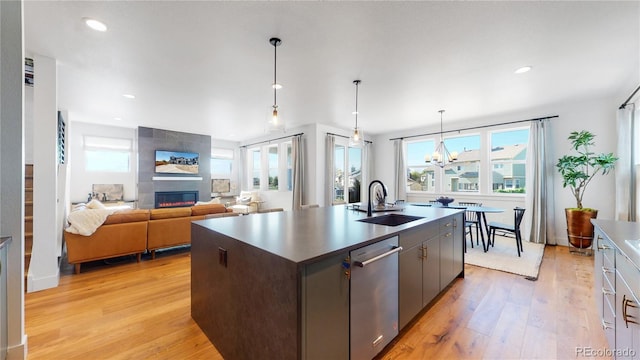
point(141, 310)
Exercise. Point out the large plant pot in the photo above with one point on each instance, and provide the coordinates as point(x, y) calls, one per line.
point(579, 227)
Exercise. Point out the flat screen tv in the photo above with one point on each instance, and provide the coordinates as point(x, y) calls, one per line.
point(176, 162)
point(220, 185)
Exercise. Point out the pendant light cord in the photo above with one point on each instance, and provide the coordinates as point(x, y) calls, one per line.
point(275, 61)
point(357, 82)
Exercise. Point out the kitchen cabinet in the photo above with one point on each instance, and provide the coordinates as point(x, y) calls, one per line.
point(451, 249)
point(617, 285)
point(432, 257)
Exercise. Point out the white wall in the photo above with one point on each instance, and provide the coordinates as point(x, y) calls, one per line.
point(44, 271)
point(597, 115)
point(81, 180)
point(12, 172)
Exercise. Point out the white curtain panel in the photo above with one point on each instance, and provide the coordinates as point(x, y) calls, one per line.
point(330, 144)
point(401, 172)
point(625, 167)
point(297, 159)
point(539, 216)
point(366, 171)
point(242, 169)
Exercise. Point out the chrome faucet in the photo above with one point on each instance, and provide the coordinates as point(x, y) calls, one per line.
point(384, 192)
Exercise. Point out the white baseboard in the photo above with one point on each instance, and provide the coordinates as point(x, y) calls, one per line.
point(47, 282)
point(18, 352)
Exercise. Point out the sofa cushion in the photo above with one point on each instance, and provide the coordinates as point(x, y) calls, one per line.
point(207, 209)
point(169, 213)
point(125, 216)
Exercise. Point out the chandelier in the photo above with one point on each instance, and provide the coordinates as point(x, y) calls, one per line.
point(357, 139)
point(441, 156)
point(276, 123)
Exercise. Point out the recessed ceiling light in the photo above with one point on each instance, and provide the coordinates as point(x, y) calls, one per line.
point(276, 86)
point(523, 70)
point(129, 96)
point(95, 24)
point(117, 118)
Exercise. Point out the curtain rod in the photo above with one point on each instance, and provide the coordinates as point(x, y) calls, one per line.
point(476, 127)
point(624, 104)
point(268, 141)
point(346, 137)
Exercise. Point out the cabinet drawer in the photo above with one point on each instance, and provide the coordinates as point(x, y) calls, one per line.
point(629, 273)
point(609, 279)
point(446, 225)
point(605, 248)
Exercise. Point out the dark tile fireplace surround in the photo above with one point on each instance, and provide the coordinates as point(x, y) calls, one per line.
point(170, 199)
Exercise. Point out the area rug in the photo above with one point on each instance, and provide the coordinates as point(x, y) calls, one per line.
point(503, 256)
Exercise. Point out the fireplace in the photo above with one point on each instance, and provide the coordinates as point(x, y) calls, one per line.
point(169, 199)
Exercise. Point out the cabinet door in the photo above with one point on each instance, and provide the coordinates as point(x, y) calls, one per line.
point(458, 244)
point(446, 252)
point(430, 270)
point(325, 309)
point(627, 319)
point(410, 283)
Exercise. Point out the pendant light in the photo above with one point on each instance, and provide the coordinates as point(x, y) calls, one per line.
point(276, 123)
point(441, 156)
point(357, 139)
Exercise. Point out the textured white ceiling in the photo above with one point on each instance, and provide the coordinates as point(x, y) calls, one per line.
point(207, 67)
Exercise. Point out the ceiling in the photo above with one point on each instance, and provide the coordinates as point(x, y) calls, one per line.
point(207, 67)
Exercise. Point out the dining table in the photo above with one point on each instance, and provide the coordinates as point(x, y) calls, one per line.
point(481, 213)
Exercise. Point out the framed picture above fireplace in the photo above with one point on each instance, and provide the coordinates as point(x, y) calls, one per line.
point(176, 162)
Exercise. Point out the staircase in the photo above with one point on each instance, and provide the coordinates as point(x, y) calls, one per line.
point(28, 218)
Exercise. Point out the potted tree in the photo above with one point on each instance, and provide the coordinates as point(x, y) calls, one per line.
point(577, 172)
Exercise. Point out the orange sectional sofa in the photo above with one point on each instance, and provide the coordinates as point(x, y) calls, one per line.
point(128, 232)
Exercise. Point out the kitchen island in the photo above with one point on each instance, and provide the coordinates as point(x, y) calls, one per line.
point(276, 285)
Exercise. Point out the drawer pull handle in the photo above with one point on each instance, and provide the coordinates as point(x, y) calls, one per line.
point(606, 325)
point(604, 247)
point(626, 317)
point(607, 270)
point(608, 292)
point(424, 252)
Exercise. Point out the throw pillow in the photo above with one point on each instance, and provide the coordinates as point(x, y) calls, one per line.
point(95, 204)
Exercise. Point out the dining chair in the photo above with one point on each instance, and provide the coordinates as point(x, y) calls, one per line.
point(471, 220)
point(518, 214)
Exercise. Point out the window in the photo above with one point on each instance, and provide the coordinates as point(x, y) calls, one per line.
point(289, 167)
point(464, 173)
point(355, 174)
point(508, 160)
point(255, 164)
point(221, 163)
point(421, 176)
point(103, 154)
point(273, 167)
point(500, 165)
point(338, 174)
point(268, 165)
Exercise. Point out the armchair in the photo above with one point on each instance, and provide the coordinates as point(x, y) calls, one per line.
point(247, 202)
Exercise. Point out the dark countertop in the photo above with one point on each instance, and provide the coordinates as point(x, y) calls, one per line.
point(625, 236)
point(305, 236)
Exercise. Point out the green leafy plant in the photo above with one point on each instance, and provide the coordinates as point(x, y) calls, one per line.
point(578, 170)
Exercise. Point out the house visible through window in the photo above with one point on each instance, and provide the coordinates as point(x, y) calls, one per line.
point(463, 174)
point(104, 154)
point(347, 173)
point(508, 157)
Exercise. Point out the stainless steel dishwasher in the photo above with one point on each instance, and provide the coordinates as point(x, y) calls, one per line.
point(374, 298)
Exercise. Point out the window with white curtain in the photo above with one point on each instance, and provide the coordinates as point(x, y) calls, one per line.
point(502, 164)
point(107, 154)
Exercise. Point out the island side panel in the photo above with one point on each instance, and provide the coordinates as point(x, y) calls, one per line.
point(248, 309)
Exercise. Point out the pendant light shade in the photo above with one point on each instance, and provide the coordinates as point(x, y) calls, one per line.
point(275, 122)
point(357, 138)
point(441, 156)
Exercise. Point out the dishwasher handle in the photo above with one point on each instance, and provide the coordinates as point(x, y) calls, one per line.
point(394, 250)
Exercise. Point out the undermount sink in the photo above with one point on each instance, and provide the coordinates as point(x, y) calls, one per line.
point(391, 219)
